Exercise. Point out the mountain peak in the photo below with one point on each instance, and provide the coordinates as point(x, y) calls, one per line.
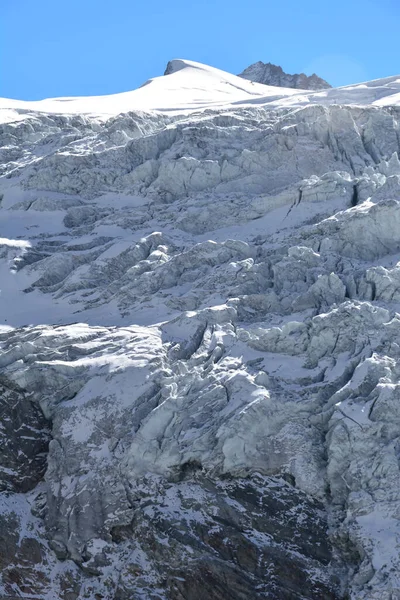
point(175, 65)
point(270, 74)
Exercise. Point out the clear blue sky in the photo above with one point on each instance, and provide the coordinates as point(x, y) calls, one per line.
point(89, 47)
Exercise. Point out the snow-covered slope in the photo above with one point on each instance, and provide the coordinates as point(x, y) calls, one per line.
point(199, 358)
point(191, 86)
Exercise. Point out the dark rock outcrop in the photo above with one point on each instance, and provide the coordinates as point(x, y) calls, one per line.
point(235, 538)
point(270, 74)
point(24, 440)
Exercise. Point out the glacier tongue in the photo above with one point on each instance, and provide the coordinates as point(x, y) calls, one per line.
point(199, 343)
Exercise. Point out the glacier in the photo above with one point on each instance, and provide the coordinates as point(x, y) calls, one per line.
point(199, 342)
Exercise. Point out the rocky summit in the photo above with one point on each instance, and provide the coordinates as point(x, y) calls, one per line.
point(199, 342)
point(270, 74)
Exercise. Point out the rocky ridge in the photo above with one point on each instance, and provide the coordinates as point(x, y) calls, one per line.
point(199, 359)
point(270, 74)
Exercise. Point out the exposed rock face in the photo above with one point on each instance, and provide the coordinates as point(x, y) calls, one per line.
point(202, 537)
point(270, 74)
point(24, 440)
point(199, 355)
point(172, 67)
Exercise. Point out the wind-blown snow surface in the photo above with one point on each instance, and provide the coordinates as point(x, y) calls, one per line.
point(199, 311)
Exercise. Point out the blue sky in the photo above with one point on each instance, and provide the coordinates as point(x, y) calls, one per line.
point(90, 47)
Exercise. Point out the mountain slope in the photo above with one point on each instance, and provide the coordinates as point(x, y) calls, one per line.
point(199, 356)
point(190, 87)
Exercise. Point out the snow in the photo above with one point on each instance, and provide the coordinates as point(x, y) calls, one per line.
point(194, 86)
